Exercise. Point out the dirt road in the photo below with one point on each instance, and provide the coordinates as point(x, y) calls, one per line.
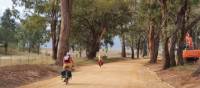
point(126, 74)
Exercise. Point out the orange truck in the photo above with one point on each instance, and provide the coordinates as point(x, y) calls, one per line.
point(190, 55)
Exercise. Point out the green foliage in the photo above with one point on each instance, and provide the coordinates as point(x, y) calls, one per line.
point(34, 22)
point(41, 7)
point(195, 2)
point(33, 32)
point(89, 16)
point(8, 26)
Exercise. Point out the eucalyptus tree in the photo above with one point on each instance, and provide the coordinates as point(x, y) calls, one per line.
point(99, 20)
point(185, 22)
point(149, 16)
point(178, 21)
point(8, 26)
point(66, 15)
point(135, 36)
point(33, 33)
point(181, 20)
point(46, 8)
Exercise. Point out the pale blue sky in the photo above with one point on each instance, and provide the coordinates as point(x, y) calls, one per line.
point(4, 4)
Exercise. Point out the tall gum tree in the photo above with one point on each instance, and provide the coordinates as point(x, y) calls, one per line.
point(98, 19)
point(63, 45)
point(46, 8)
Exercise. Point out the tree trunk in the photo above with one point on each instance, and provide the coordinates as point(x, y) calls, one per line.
point(73, 48)
point(132, 51)
point(172, 50)
point(180, 24)
point(138, 48)
point(92, 50)
point(29, 48)
point(156, 48)
point(53, 24)
point(180, 51)
point(153, 41)
point(63, 46)
point(54, 39)
point(54, 50)
point(144, 48)
point(6, 48)
point(38, 49)
point(198, 41)
point(94, 42)
point(166, 55)
point(151, 46)
point(80, 52)
point(23, 47)
point(123, 46)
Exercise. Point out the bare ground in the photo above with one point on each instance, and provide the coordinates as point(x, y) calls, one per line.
point(179, 77)
point(124, 74)
point(13, 76)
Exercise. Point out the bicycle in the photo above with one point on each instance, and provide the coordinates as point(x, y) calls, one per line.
point(66, 74)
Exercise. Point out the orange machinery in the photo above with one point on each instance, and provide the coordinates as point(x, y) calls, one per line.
point(190, 54)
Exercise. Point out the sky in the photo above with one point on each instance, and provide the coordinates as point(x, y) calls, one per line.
point(4, 4)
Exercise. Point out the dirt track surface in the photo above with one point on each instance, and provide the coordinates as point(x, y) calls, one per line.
point(126, 74)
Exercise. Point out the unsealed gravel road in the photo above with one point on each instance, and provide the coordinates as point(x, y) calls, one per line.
point(125, 74)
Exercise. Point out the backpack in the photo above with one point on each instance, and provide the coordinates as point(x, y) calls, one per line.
point(63, 74)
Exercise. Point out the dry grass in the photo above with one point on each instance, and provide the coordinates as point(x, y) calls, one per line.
point(25, 59)
point(16, 57)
